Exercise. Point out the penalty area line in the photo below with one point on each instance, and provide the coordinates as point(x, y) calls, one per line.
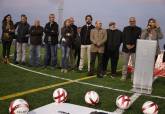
point(84, 83)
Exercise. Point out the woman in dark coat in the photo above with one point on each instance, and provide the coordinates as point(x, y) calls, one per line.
point(7, 37)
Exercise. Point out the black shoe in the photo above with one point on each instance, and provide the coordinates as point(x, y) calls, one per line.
point(23, 63)
point(99, 76)
point(45, 66)
point(16, 62)
point(90, 73)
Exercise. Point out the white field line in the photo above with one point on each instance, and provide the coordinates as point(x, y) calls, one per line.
point(80, 82)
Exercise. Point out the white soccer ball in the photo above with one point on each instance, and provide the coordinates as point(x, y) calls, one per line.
point(19, 106)
point(92, 98)
point(60, 95)
point(123, 101)
point(150, 107)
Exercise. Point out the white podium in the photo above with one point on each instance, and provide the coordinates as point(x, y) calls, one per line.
point(144, 66)
point(65, 108)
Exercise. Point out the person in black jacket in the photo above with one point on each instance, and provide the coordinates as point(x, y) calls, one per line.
point(72, 58)
point(36, 33)
point(112, 45)
point(86, 42)
point(77, 44)
point(7, 37)
point(22, 33)
point(130, 35)
point(67, 35)
point(51, 41)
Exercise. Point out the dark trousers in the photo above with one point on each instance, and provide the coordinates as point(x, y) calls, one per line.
point(99, 65)
point(114, 56)
point(6, 48)
point(15, 52)
point(77, 56)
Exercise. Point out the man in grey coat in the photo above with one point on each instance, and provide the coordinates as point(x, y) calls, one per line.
point(98, 37)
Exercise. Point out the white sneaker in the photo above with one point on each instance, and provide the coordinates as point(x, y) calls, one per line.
point(62, 70)
point(65, 70)
point(123, 78)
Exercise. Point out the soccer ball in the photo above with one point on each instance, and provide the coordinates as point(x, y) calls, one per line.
point(150, 107)
point(60, 95)
point(19, 106)
point(92, 98)
point(123, 102)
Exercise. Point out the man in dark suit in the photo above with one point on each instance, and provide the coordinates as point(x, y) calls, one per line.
point(112, 45)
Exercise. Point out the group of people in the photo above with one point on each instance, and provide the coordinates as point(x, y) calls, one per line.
point(76, 42)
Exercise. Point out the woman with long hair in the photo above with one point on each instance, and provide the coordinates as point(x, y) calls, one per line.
point(66, 42)
point(7, 37)
point(153, 32)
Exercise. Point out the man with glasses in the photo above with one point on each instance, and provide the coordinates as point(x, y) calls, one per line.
point(130, 35)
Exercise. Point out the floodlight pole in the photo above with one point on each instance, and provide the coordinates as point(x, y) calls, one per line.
point(60, 15)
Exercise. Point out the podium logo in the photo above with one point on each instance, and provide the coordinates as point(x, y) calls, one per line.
point(62, 112)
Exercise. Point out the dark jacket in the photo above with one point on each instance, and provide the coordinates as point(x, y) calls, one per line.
point(36, 34)
point(77, 41)
point(130, 36)
point(7, 35)
point(22, 30)
point(74, 27)
point(85, 34)
point(114, 40)
point(67, 36)
point(51, 33)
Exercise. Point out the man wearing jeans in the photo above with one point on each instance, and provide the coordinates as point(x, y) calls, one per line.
point(22, 32)
point(98, 38)
point(85, 41)
point(130, 35)
point(51, 42)
point(36, 33)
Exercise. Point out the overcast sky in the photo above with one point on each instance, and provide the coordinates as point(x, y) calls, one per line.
point(104, 10)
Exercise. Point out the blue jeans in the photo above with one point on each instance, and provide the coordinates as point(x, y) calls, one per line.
point(65, 56)
point(51, 54)
point(35, 55)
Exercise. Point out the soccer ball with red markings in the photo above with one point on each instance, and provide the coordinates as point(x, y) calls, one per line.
point(150, 107)
point(123, 102)
point(60, 95)
point(19, 106)
point(92, 98)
